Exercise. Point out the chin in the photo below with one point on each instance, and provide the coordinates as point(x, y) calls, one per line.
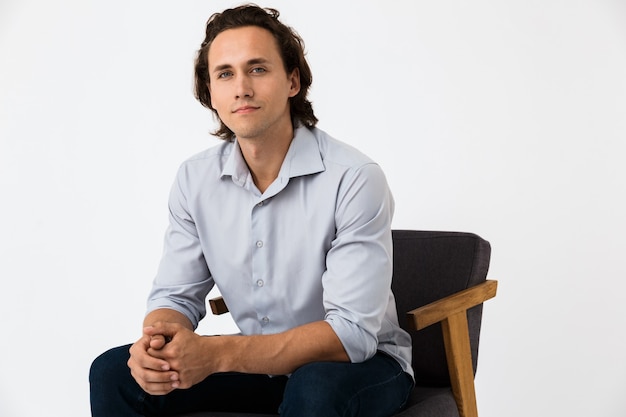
point(248, 133)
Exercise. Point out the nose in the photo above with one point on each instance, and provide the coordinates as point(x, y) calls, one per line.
point(243, 87)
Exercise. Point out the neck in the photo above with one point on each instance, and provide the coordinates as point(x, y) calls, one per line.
point(265, 157)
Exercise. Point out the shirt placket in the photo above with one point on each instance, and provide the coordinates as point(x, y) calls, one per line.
point(261, 252)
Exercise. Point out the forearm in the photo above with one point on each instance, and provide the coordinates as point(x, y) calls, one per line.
point(194, 357)
point(281, 353)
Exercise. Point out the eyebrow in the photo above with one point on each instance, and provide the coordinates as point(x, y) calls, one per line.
point(253, 61)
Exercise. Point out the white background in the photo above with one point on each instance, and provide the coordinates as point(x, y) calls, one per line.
point(503, 118)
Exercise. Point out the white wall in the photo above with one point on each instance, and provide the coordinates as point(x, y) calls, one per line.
point(504, 118)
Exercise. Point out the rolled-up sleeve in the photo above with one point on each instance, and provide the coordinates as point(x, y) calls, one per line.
point(183, 279)
point(357, 280)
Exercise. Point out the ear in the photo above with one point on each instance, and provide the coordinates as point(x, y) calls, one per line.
point(294, 77)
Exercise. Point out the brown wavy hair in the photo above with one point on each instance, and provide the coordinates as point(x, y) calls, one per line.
point(291, 48)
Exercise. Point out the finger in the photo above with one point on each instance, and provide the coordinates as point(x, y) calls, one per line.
point(170, 353)
point(141, 358)
point(157, 390)
point(156, 383)
point(158, 341)
point(151, 374)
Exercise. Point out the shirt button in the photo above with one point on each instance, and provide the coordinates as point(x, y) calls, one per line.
point(260, 204)
point(265, 320)
point(259, 243)
point(260, 283)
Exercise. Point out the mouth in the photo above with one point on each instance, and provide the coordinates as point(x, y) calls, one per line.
point(245, 109)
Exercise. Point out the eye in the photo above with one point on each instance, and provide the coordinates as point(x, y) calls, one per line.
point(224, 74)
point(258, 70)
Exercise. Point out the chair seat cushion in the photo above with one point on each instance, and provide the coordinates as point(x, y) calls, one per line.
point(430, 402)
point(423, 402)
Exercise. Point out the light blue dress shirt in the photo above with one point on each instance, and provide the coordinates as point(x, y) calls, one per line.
point(316, 245)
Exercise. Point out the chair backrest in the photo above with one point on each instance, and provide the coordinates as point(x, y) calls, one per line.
point(429, 266)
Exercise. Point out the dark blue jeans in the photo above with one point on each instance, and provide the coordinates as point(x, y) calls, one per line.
point(376, 388)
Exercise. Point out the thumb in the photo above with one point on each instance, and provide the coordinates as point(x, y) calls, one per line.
point(162, 328)
point(158, 341)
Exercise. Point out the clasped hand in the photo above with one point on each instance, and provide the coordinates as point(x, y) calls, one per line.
point(169, 356)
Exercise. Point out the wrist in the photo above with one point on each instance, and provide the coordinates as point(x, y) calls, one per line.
point(221, 352)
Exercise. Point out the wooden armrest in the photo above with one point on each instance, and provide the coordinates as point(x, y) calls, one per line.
point(218, 306)
point(461, 301)
point(451, 311)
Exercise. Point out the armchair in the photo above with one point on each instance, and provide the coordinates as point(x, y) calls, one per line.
point(439, 282)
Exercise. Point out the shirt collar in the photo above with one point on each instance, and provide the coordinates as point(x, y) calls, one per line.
point(303, 158)
point(236, 166)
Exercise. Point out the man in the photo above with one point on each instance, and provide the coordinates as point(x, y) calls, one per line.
point(294, 229)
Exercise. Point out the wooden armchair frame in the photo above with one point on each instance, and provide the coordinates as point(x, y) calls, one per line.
point(451, 311)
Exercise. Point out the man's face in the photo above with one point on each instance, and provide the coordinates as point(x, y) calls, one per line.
point(250, 88)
